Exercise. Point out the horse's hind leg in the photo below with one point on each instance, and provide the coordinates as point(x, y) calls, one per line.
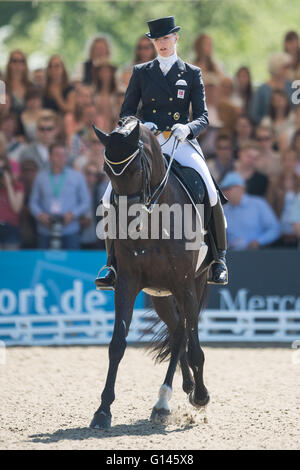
point(166, 310)
point(168, 313)
point(199, 396)
point(190, 303)
point(161, 409)
point(188, 383)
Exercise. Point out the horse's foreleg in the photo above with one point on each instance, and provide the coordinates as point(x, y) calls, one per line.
point(125, 295)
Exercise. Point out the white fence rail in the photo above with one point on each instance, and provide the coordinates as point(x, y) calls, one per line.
point(97, 328)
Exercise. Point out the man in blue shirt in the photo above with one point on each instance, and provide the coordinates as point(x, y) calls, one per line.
point(251, 222)
point(59, 193)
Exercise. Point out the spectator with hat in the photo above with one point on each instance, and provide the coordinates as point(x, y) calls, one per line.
point(251, 223)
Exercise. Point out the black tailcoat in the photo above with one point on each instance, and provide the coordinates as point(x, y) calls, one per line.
point(161, 96)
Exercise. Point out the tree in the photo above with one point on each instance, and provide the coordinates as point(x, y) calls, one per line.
point(244, 32)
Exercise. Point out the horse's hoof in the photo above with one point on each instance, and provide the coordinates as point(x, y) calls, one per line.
point(101, 420)
point(198, 403)
point(160, 416)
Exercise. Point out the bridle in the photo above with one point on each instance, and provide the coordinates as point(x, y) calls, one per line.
point(145, 196)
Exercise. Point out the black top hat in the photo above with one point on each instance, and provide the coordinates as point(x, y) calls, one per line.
point(162, 27)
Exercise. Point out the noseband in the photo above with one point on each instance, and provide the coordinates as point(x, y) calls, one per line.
point(128, 159)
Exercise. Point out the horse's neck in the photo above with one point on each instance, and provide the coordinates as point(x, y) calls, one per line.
point(158, 167)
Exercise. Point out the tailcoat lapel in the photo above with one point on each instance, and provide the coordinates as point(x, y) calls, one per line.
point(158, 77)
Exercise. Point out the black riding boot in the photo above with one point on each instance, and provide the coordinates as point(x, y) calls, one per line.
point(107, 282)
point(218, 271)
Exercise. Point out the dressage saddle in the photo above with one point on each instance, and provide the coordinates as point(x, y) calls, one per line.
point(194, 185)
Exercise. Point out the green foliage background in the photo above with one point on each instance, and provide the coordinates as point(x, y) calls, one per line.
point(245, 32)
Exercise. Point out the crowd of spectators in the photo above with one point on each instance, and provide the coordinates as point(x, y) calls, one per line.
point(51, 163)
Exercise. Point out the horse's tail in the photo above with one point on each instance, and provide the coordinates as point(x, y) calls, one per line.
point(159, 346)
point(168, 316)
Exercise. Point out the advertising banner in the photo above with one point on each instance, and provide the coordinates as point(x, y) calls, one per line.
point(49, 298)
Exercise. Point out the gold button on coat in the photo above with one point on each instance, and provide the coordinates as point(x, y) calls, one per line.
point(170, 99)
point(154, 111)
point(176, 116)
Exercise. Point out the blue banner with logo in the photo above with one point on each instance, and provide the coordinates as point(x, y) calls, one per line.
point(43, 293)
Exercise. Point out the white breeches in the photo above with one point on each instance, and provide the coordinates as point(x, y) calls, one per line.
point(186, 155)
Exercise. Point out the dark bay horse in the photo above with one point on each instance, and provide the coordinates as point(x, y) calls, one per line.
point(155, 265)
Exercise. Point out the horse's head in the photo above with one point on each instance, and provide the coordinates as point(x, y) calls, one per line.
point(123, 155)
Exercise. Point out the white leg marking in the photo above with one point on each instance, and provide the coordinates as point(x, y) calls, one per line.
point(164, 395)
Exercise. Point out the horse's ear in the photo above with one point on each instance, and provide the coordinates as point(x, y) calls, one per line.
point(102, 136)
point(135, 133)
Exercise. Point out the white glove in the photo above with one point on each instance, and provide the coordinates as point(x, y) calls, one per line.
point(181, 131)
point(151, 126)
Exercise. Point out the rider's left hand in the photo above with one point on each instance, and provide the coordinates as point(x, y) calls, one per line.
point(181, 131)
point(151, 126)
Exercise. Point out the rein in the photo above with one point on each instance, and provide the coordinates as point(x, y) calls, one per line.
point(161, 187)
point(144, 197)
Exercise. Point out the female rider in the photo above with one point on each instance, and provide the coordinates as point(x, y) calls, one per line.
point(166, 87)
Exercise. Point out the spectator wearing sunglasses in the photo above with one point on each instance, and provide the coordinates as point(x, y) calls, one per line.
point(46, 134)
point(144, 51)
point(17, 80)
point(99, 50)
point(59, 94)
point(223, 161)
point(269, 162)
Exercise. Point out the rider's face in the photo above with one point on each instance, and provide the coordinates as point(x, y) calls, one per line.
point(165, 46)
